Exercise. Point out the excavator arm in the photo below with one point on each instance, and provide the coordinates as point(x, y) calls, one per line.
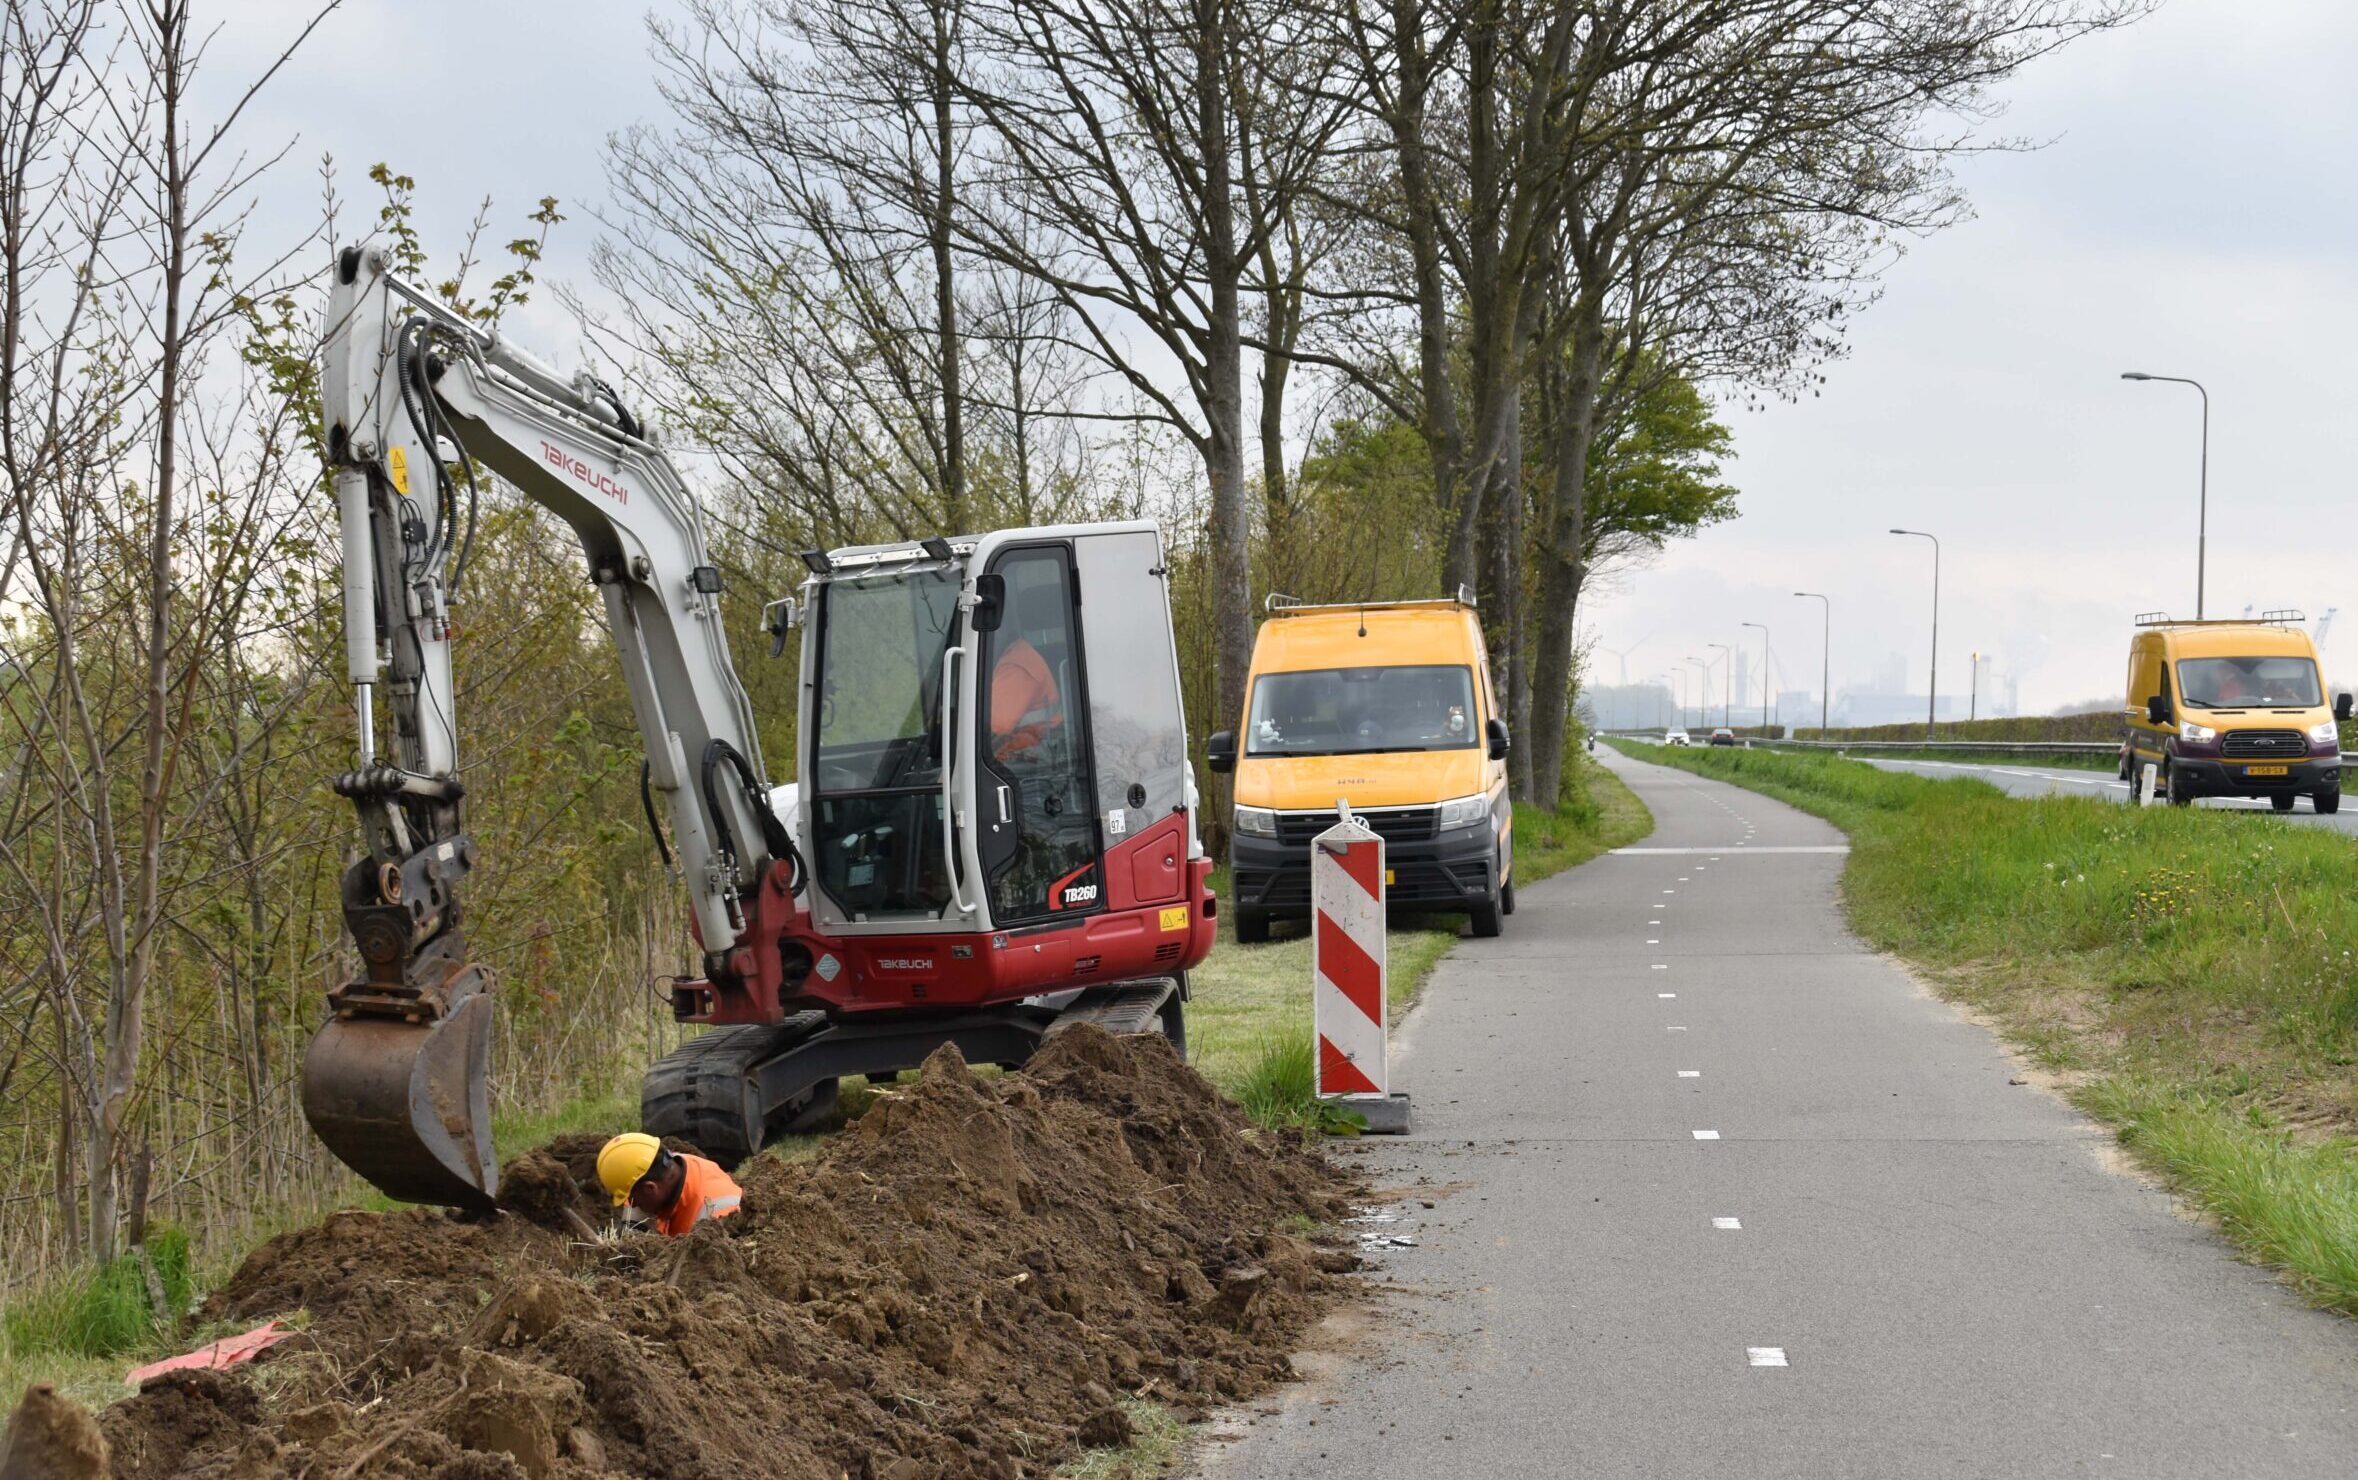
point(419, 402)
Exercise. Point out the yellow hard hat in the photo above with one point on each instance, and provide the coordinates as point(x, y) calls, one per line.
point(625, 1159)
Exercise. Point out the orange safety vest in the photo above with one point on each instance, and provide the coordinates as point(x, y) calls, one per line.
point(1024, 701)
point(705, 1192)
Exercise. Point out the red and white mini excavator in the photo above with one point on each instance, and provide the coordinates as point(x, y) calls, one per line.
point(993, 833)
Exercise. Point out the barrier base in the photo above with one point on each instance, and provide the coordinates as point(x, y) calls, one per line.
point(1387, 1115)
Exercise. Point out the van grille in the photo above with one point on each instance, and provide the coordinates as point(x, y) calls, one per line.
point(2264, 745)
point(1409, 825)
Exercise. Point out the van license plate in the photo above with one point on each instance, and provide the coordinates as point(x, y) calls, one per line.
point(2263, 770)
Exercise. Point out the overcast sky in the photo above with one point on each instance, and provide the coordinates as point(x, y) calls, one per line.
point(2192, 213)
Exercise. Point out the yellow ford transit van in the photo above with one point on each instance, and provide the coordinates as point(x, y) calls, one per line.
point(2232, 709)
point(1386, 705)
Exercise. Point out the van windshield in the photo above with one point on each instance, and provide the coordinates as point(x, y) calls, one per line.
point(2249, 683)
point(1360, 711)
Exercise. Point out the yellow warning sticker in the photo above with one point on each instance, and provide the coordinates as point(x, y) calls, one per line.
point(1391, 876)
point(1175, 918)
point(397, 464)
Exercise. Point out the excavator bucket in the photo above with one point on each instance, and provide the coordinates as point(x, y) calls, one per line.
point(405, 1103)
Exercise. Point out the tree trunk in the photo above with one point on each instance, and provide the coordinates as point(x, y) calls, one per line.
point(1231, 534)
point(944, 281)
point(1561, 543)
point(1277, 505)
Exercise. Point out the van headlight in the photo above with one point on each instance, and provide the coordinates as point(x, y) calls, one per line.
point(2328, 733)
point(2195, 734)
point(1258, 822)
point(1465, 812)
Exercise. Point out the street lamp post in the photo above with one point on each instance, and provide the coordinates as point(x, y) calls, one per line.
point(2202, 518)
point(1764, 677)
point(1727, 706)
point(1702, 689)
point(1932, 694)
point(1825, 661)
point(1973, 689)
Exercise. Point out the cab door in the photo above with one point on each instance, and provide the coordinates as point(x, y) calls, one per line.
point(1036, 831)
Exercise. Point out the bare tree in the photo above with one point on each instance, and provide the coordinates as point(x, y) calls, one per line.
point(1114, 144)
point(129, 280)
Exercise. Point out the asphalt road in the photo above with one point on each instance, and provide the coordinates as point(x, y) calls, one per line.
point(1717, 1191)
point(2040, 781)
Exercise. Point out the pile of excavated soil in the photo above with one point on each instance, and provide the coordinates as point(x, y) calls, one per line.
point(961, 1284)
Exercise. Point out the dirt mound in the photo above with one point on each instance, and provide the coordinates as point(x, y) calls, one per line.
point(959, 1285)
point(51, 1439)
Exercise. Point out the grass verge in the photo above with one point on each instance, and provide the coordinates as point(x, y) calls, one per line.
point(2192, 975)
point(1248, 1026)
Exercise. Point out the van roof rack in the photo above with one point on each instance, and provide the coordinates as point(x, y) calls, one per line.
point(1278, 604)
point(2283, 616)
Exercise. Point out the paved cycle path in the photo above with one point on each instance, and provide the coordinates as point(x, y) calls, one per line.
point(1718, 1191)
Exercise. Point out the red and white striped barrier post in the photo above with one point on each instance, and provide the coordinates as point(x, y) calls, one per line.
point(1348, 974)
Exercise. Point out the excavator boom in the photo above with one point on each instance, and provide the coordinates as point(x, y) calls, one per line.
point(418, 401)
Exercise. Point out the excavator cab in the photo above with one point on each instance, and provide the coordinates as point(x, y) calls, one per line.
point(985, 745)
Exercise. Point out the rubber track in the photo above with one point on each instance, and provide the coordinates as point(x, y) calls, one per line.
point(697, 1092)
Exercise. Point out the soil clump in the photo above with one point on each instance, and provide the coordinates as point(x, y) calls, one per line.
point(960, 1284)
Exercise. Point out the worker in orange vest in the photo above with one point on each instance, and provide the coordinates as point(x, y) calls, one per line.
point(676, 1190)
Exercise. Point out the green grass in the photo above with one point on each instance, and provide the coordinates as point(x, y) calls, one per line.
point(1248, 1026)
point(2103, 763)
point(2193, 974)
point(1153, 1448)
point(83, 1333)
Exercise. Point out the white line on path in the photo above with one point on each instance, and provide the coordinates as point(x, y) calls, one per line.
point(1706, 1135)
point(1732, 1225)
point(1666, 996)
point(1661, 966)
point(1676, 1028)
point(1744, 843)
point(1653, 942)
point(1766, 1356)
point(1690, 1074)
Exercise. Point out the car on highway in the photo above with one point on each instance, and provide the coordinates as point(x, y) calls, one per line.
point(1723, 736)
point(2232, 709)
point(1677, 737)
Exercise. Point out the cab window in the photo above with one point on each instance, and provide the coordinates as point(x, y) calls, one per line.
point(1361, 711)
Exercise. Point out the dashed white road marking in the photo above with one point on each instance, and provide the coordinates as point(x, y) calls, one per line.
point(1766, 1356)
point(1732, 1225)
point(1670, 891)
point(1706, 1135)
point(1661, 966)
point(1676, 1028)
point(1690, 1074)
point(1666, 996)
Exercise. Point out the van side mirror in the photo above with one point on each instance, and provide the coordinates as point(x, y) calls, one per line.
point(990, 602)
point(2157, 710)
point(2341, 708)
point(1220, 751)
point(1500, 743)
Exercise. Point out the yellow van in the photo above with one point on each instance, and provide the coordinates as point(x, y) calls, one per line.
point(2232, 709)
point(1386, 705)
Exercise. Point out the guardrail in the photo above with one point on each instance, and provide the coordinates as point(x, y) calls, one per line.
point(1960, 747)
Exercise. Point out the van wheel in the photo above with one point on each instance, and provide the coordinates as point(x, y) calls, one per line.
point(1252, 927)
point(1487, 920)
point(2179, 796)
point(2326, 799)
point(1506, 897)
point(2282, 801)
